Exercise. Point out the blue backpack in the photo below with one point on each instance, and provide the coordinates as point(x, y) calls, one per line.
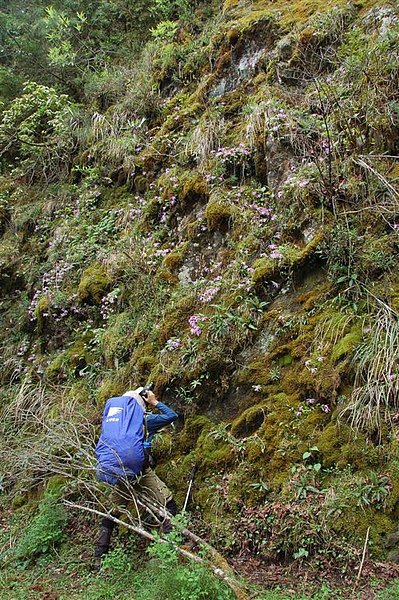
point(120, 451)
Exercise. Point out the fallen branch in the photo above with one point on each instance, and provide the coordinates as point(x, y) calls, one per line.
point(162, 512)
point(217, 571)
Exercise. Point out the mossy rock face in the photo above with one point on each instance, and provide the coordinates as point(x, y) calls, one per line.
point(193, 428)
point(322, 382)
point(219, 215)
point(246, 486)
point(347, 344)
point(174, 259)
point(250, 420)
point(145, 365)
point(166, 276)
point(118, 340)
point(57, 368)
point(5, 218)
point(379, 254)
point(354, 522)
point(213, 451)
point(140, 184)
point(341, 447)
point(41, 313)
point(291, 256)
point(193, 189)
point(264, 269)
point(94, 284)
point(176, 317)
point(108, 389)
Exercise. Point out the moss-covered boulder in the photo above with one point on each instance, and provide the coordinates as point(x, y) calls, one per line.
point(94, 284)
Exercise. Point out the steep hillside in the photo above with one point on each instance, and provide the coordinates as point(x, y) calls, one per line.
point(212, 206)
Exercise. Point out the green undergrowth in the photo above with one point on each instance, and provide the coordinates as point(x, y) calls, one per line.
point(128, 571)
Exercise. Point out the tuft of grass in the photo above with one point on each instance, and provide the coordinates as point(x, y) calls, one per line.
point(376, 387)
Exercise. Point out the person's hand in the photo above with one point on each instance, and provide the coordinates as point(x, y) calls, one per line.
point(151, 399)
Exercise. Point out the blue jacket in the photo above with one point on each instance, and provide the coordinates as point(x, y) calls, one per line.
point(156, 422)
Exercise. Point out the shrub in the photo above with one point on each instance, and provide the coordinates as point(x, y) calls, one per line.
point(45, 531)
point(166, 578)
point(36, 128)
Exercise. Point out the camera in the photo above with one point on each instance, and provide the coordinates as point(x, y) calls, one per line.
point(148, 388)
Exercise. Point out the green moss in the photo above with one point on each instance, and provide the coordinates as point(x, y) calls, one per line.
point(140, 184)
point(64, 362)
point(192, 188)
point(264, 269)
point(213, 451)
point(219, 215)
point(286, 14)
point(118, 340)
point(285, 360)
point(347, 344)
point(309, 299)
point(115, 197)
point(378, 255)
point(354, 522)
point(56, 368)
point(55, 484)
point(145, 364)
point(176, 316)
point(41, 312)
point(110, 387)
point(166, 276)
point(175, 258)
point(94, 284)
point(250, 420)
point(340, 447)
point(193, 428)
point(232, 36)
point(290, 256)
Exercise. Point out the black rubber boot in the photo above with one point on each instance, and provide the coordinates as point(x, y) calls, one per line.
point(104, 538)
point(171, 506)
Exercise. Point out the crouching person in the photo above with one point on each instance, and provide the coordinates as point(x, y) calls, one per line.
point(124, 458)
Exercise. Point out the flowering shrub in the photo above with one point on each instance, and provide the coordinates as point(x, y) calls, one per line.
point(50, 296)
point(286, 530)
point(209, 294)
point(231, 155)
point(108, 303)
point(172, 344)
point(193, 321)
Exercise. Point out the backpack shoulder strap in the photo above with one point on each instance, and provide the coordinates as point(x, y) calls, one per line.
point(145, 427)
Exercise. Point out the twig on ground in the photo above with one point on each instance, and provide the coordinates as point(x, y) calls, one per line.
point(363, 557)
